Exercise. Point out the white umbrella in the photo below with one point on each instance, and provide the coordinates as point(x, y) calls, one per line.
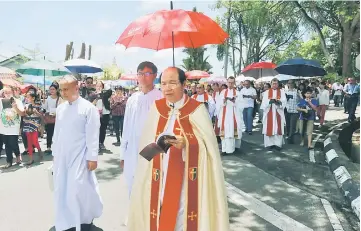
point(7, 73)
point(82, 66)
point(216, 79)
point(243, 78)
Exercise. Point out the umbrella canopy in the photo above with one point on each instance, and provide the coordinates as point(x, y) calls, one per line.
point(43, 68)
point(170, 29)
point(260, 69)
point(129, 77)
point(301, 67)
point(7, 73)
point(196, 74)
point(243, 78)
point(82, 66)
point(11, 82)
point(36, 80)
point(217, 79)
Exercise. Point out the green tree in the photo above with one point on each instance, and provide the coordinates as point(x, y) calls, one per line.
point(257, 29)
point(342, 18)
point(196, 59)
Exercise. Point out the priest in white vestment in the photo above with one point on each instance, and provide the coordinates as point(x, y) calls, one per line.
point(75, 151)
point(230, 119)
point(204, 97)
point(136, 113)
point(184, 188)
point(273, 103)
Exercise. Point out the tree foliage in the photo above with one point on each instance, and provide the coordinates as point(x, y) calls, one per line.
point(342, 19)
point(196, 59)
point(257, 28)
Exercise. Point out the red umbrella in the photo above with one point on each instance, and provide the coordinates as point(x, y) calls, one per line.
point(196, 74)
point(172, 28)
point(128, 77)
point(260, 69)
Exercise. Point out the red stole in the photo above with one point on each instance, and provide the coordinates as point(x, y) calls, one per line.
point(270, 115)
point(224, 116)
point(176, 169)
point(205, 97)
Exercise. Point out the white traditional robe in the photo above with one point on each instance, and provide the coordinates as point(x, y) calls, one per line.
point(229, 142)
point(75, 141)
point(136, 113)
point(211, 103)
point(275, 139)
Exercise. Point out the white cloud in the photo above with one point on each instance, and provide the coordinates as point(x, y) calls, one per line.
point(105, 24)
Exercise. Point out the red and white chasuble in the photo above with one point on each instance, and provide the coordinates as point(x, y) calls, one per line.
point(194, 175)
point(273, 117)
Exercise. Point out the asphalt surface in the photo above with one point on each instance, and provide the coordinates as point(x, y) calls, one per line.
point(267, 191)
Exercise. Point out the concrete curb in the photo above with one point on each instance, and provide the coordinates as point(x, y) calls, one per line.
point(349, 188)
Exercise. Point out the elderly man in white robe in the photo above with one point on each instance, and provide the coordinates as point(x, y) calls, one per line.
point(230, 119)
point(205, 98)
point(75, 151)
point(273, 104)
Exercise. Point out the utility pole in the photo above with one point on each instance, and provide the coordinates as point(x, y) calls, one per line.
point(227, 41)
point(33, 53)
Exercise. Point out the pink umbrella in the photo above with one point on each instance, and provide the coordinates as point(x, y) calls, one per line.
point(7, 73)
point(128, 77)
point(196, 74)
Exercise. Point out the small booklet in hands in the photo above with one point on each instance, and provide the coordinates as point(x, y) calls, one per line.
point(161, 146)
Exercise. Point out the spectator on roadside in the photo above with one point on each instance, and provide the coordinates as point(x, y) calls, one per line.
point(292, 114)
point(323, 102)
point(337, 89)
point(307, 108)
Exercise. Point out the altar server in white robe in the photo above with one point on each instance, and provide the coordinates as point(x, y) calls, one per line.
point(230, 119)
point(136, 113)
point(203, 97)
point(273, 104)
point(75, 151)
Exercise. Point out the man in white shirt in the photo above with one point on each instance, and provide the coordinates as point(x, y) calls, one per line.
point(247, 96)
point(136, 112)
point(292, 114)
point(205, 98)
point(337, 89)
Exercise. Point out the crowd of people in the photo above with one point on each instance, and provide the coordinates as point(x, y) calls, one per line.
point(171, 190)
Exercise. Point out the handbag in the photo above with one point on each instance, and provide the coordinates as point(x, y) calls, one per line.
point(50, 119)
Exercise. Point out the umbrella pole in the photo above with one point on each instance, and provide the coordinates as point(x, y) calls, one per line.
point(44, 83)
point(171, 7)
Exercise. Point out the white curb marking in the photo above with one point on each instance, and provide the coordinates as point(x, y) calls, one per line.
point(341, 175)
point(336, 225)
point(327, 141)
point(330, 155)
point(311, 154)
point(355, 204)
point(264, 211)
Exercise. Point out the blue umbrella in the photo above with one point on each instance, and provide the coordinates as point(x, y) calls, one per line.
point(82, 66)
point(301, 67)
point(36, 80)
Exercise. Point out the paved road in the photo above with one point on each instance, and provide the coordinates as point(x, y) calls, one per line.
point(266, 190)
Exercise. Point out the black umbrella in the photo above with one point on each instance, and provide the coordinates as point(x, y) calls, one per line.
point(301, 67)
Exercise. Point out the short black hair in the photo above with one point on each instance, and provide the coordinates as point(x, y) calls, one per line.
point(275, 80)
point(309, 89)
point(148, 64)
point(231, 77)
point(1, 85)
point(181, 75)
point(89, 78)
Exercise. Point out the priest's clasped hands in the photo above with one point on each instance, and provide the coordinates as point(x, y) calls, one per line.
point(275, 101)
point(179, 143)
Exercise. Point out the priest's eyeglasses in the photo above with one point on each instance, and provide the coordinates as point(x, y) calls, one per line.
point(145, 74)
point(170, 85)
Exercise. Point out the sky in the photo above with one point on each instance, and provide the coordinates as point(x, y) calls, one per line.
point(50, 25)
